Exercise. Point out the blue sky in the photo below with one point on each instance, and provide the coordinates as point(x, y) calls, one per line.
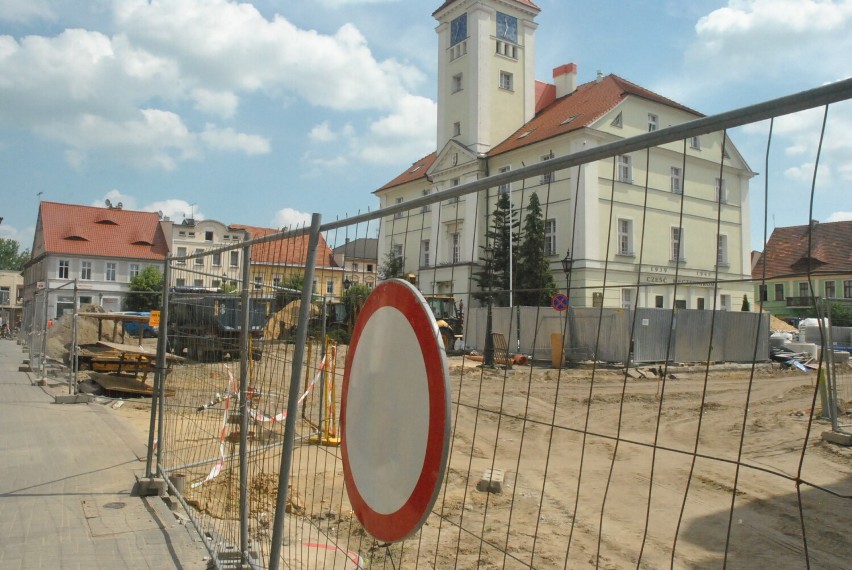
point(261, 113)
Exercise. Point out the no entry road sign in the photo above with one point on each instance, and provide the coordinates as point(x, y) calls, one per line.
point(395, 412)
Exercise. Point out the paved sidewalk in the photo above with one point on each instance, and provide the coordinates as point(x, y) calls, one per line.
point(66, 476)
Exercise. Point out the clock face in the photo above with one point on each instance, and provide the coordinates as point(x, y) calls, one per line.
point(458, 29)
point(507, 27)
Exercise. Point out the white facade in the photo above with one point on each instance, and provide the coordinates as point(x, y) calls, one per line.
point(197, 236)
point(618, 234)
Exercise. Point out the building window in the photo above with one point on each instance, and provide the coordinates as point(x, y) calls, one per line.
point(64, 269)
point(133, 271)
point(695, 143)
point(725, 302)
point(548, 177)
point(216, 283)
point(624, 168)
point(198, 282)
point(677, 180)
point(109, 275)
point(779, 291)
point(763, 292)
point(658, 302)
point(829, 290)
point(314, 286)
point(258, 281)
point(627, 298)
point(699, 303)
point(677, 245)
point(199, 260)
point(235, 259)
point(457, 82)
point(722, 250)
point(457, 129)
point(804, 289)
point(86, 270)
point(180, 282)
point(550, 237)
point(427, 207)
point(456, 249)
point(506, 81)
point(625, 237)
point(276, 282)
point(680, 303)
point(329, 287)
point(721, 191)
point(653, 122)
point(396, 249)
point(847, 289)
point(424, 252)
point(355, 266)
point(507, 187)
point(453, 183)
point(208, 236)
point(181, 254)
point(217, 259)
point(399, 215)
point(369, 268)
point(507, 49)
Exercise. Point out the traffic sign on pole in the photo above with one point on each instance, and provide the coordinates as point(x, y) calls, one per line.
point(395, 412)
point(559, 302)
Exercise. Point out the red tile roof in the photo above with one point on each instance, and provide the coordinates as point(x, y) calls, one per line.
point(290, 251)
point(787, 250)
point(586, 104)
point(527, 3)
point(69, 229)
point(416, 171)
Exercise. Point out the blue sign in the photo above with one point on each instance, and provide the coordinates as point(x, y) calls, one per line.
point(559, 302)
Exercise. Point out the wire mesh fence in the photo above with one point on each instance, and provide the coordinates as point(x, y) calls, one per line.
point(565, 449)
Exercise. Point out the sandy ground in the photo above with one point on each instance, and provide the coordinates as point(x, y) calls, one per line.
point(600, 470)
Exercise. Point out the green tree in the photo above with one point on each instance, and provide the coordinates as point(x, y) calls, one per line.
point(841, 315)
point(534, 285)
point(746, 305)
point(291, 289)
point(10, 259)
point(354, 299)
point(392, 266)
point(501, 238)
point(145, 290)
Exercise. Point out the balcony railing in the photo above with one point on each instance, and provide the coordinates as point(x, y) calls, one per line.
point(801, 301)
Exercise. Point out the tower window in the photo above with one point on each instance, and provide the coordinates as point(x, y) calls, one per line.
point(653, 122)
point(506, 81)
point(457, 129)
point(457, 82)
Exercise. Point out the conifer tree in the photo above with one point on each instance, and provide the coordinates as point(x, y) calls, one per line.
point(534, 283)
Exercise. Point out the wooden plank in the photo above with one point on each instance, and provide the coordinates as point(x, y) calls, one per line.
point(126, 384)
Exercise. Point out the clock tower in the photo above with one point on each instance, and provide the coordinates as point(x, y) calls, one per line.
point(486, 70)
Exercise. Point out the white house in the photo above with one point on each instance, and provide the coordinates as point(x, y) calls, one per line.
point(493, 117)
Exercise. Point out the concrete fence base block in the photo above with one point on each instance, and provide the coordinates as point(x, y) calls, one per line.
point(838, 438)
point(150, 486)
point(24, 368)
point(73, 399)
point(491, 482)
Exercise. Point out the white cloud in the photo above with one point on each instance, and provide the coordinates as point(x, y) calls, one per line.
point(346, 3)
point(175, 209)
point(25, 10)
point(839, 217)
point(230, 140)
point(115, 198)
point(290, 218)
point(408, 131)
point(126, 94)
point(322, 133)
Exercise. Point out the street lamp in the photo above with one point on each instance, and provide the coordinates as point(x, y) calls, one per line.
point(488, 353)
point(346, 284)
point(567, 262)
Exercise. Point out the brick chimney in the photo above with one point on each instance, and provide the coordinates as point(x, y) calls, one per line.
point(565, 78)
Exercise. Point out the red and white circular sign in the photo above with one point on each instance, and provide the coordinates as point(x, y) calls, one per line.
point(395, 412)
